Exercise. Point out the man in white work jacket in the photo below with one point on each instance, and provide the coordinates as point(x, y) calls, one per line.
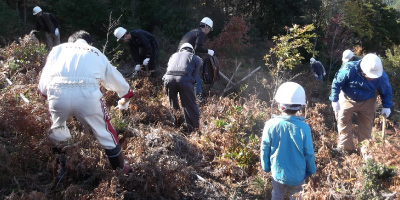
point(70, 82)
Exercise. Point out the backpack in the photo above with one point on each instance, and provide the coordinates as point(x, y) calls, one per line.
point(210, 72)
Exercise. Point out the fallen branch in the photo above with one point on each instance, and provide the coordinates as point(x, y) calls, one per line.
point(240, 82)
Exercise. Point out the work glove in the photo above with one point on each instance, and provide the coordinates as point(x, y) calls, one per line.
point(137, 68)
point(146, 61)
point(210, 52)
point(385, 112)
point(123, 104)
point(324, 73)
point(56, 32)
point(336, 107)
point(315, 75)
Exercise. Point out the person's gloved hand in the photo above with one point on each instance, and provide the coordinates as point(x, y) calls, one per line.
point(386, 112)
point(123, 104)
point(56, 32)
point(137, 68)
point(336, 107)
point(146, 61)
point(324, 73)
point(315, 75)
point(210, 52)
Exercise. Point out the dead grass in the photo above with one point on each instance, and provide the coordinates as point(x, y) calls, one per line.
point(167, 162)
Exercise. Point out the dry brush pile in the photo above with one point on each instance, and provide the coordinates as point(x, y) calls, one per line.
point(220, 161)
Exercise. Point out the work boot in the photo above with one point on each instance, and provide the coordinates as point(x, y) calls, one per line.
point(60, 170)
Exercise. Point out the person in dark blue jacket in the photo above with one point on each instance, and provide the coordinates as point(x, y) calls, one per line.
point(143, 46)
point(183, 69)
point(360, 83)
point(286, 146)
point(317, 69)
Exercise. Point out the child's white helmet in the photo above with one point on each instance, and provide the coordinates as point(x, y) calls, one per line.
point(290, 93)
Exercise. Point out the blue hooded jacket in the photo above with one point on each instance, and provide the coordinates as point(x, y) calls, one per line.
point(350, 80)
point(287, 149)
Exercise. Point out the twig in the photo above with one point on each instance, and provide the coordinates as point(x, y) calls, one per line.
point(242, 80)
point(111, 25)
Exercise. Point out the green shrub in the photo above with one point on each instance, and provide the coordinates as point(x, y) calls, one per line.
point(375, 177)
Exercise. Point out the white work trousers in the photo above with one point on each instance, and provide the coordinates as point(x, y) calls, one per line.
point(86, 104)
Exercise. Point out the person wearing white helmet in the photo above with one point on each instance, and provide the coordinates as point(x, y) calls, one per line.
point(49, 24)
point(286, 148)
point(196, 38)
point(348, 55)
point(317, 69)
point(182, 71)
point(70, 82)
point(143, 47)
point(360, 83)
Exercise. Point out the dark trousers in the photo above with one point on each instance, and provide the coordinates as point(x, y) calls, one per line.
point(188, 100)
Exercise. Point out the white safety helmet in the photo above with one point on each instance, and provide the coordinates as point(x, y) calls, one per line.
point(36, 10)
point(347, 55)
point(312, 60)
point(371, 65)
point(207, 21)
point(291, 93)
point(186, 45)
point(119, 32)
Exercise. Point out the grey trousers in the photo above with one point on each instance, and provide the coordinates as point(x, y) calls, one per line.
point(279, 190)
point(188, 100)
point(52, 40)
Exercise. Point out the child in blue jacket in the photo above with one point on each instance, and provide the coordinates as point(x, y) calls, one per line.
point(286, 146)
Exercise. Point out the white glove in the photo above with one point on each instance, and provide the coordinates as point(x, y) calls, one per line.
point(137, 68)
point(315, 75)
point(210, 52)
point(324, 73)
point(385, 112)
point(123, 104)
point(336, 107)
point(146, 61)
point(56, 32)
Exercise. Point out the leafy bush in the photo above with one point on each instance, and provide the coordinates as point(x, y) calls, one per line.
point(376, 176)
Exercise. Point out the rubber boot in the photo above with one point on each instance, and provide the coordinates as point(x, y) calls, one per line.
point(117, 160)
point(60, 167)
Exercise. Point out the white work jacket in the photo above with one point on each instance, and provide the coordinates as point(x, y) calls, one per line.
point(80, 65)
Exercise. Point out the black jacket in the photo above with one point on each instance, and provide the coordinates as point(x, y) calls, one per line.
point(196, 38)
point(145, 40)
point(46, 22)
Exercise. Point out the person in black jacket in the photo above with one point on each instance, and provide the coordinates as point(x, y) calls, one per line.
point(47, 22)
point(143, 46)
point(196, 38)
